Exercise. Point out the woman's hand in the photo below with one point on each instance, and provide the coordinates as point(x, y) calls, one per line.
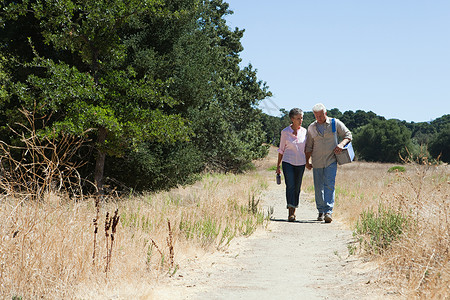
point(278, 170)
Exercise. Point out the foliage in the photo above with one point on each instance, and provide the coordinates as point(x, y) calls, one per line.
point(440, 145)
point(154, 166)
point(227, 148)
point(85, 80)
point(308, 118)
point(138, 78)
point(359, 118)
point(271, 126)
point(381, 228)
point(3, 79)
point(396, 169)
point(382, 140)
point(421, 132)
point(45, 165)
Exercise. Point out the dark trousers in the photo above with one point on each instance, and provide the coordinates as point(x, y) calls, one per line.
point(293, 176)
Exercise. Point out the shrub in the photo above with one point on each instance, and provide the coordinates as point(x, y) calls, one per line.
point(440, 145)
point(396, 169)
point(156, 167)
point(381, 228)
point(382, 140)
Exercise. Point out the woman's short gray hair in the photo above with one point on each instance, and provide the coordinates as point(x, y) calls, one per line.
point(319, 107)
point(295, 111)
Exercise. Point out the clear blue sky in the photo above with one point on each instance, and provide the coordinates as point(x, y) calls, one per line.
point(391, 57)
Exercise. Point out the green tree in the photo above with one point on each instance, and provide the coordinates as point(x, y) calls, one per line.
point(421, 132)
point(4, 78)
point(4, 94)
point(308, 118)
point(334, 113)
point(272, 127)
point(354, 120)
point(382, 141)
point(84, 80)
point(149, 81)
point(441, 123)
point(228, 126)
point(440, 145)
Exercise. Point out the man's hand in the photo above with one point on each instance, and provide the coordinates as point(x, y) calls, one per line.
point(338, 149)
point(341, 146)
point(278, 170)
point(308, 164)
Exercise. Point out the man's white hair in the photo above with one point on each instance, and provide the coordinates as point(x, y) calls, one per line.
point(319, 107)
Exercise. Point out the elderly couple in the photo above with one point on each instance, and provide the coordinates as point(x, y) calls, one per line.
point(298, 145)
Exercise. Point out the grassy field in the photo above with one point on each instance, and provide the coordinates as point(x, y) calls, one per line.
point(49, 249)
point(402, 220)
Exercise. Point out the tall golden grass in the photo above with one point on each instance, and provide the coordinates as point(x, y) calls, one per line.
point(47, 246)
point(418, 261)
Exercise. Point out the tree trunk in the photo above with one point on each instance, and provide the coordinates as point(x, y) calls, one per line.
point(100, 162)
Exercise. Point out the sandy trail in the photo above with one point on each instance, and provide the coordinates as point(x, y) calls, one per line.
point(305, 259)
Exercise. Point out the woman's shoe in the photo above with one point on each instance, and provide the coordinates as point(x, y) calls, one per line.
point(291, 217)
point(320, 217)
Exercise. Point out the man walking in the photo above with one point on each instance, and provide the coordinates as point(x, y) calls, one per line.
point(321, 148)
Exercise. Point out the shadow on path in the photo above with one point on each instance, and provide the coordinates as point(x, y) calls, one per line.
point(296, 221)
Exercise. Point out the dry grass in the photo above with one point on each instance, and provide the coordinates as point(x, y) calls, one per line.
point(47, 246)
point(418, 261)
point(53, 247)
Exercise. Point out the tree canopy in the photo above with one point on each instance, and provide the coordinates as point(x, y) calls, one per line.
point(146, 79)
point(382, 140)
point(440, 144)
point(157, 90)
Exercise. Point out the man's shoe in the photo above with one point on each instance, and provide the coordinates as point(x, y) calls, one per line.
point(320, 217)
point(328, 218)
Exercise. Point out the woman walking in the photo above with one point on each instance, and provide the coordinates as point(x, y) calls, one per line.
point(291, 154)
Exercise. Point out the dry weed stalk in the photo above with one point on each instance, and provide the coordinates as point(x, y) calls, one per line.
point(170, 245)
point(157, 248)
point(110, 224)
point(108, 221)
point(95, 221)
point(169, 241)
point(42, 164)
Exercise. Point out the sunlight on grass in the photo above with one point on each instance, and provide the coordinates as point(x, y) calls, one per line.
point(400, 217)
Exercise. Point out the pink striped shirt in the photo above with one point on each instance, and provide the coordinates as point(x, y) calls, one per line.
point(293, 147)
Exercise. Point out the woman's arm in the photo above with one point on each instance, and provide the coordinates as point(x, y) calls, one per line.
point(281, 151)
point(280, 158)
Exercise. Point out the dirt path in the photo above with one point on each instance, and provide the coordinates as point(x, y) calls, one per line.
point(301, 260)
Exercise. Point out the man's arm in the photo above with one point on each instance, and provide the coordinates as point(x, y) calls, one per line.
point(309, 148)
point(343, 132)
